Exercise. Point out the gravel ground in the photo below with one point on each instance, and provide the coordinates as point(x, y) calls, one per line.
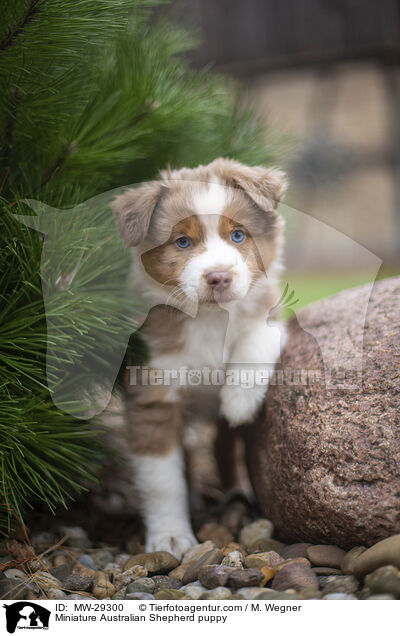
point(238, 557)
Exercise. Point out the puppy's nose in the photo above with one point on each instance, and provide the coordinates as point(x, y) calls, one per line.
point(219, 280)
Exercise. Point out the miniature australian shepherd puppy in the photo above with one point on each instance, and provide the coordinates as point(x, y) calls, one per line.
point(207, 257)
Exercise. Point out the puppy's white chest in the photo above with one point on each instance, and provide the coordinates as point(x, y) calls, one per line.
point(204, 339)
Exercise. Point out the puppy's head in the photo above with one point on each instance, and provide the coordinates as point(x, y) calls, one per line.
point(210, 232)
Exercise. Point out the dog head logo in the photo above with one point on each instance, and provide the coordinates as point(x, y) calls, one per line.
point(26, 615)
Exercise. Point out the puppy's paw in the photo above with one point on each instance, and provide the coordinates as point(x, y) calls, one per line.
point(240, 405)
point(177, 544)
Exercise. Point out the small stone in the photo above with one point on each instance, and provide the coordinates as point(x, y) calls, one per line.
point(320, 571)
point(381, 597)
point(300, 560)
point(141, 585)
point(59, 560)
point(120, 594)
point(268, 574)
point(45, 581)
point(233, 560)
point(77, 582)
point(217, 594)
point(14, 573)
point(179, 572)
point(84, 570)
point(339, 596)
point(274, 595)
point(347, 564)
point(250, 593)
point(386, 552)
point(194, 590)
point(266, 545)
point(122, 559)
point(87, 561)
point(76, 537)
point(330, 556)
point(122, 579)
point(101, 558)
point(212, 576)
point(251, 535)
point(295, 550)
point(102, 587)
point(213, 557)
point(197, 551)
point(112, 569)
point(245, 578)
point(55, 594)
point(78, 597)
point(155, 562)
point(61, 572)
point(40, 564)
point(43, 539)
point(233, 547)
point(170, 595)
point(295, 575)
point(216, 533)
point(139, 596)
point(346, 584)
point(385, 580)
point(162, 582)
point(263, 559)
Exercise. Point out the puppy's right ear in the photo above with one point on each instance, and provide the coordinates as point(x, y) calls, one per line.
point(133, 211)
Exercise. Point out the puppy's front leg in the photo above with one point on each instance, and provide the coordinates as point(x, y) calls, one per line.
point(257, 350)
point(158, 471)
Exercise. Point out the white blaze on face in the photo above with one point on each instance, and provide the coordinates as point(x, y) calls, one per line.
point(219, 255)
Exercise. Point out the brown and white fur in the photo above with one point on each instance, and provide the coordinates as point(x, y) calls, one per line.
point(211, 301)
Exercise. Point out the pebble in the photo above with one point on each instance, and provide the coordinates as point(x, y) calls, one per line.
point(339, 596)
point(141, 585)
point(194, 590)
point(321, 571)
point(249, 593)
point(233, 560)
point(76, 581)
point(157, 562)
point(346, 584)
point(385, 580)
point(268, 574)
point(295, 550)
point(122, 579)
point(102, 587)
point(122, 559)
point(87, 561)
point(381, 597)
point(347, 565)
point(170, 595)
point(76, 537)
point(79, 597)
point(55, 594)
point(233, 547)
point(165, 582)
point(59, 560)
point(61, 571)
point(197, 551)
point(120, 594)
point(295, 575)
point(212, 576)
point(213, 557)
point(245, 578)
point(46, 581)
point(330, 556)
point(43, 539)
point(386, 552)
point(14, 573)
point(101, 558)
point(216, 533)
point(218, 593)
point(252, 534)
point(139, 596)
point(274, 595)
point(263, 559)
point(266, 545)
point(300, 560)
point(41, 564)
point(82, 569)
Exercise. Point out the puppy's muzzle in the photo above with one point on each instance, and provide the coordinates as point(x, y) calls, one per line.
point(219, 281)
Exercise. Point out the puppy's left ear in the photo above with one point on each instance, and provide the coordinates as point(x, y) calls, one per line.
point(265, 186)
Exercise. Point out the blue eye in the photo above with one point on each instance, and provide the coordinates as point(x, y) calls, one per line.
point(237, 236)
point(183, 241)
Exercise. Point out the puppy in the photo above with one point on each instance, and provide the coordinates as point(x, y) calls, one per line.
point(207, 257)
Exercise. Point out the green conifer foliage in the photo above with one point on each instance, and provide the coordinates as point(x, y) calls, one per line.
point(91, 98)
